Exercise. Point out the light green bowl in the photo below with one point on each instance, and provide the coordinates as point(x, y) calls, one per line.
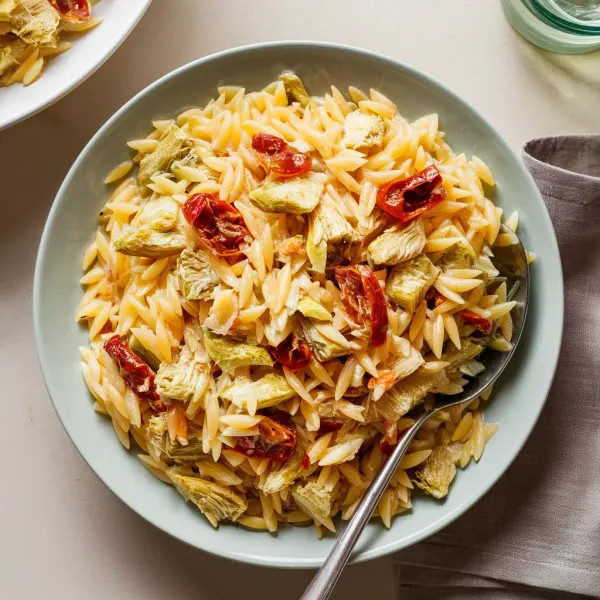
point(71, 224)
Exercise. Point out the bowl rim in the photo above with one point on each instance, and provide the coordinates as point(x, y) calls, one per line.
point(62, 90)
point(274, 561)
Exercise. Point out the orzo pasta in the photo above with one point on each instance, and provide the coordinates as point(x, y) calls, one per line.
point(279, 283)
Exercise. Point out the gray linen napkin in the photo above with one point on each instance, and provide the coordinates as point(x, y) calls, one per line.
point(536, 534)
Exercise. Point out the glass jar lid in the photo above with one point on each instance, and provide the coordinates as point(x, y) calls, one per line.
point(537, 21)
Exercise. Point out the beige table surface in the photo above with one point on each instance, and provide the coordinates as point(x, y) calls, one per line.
point(63, 535)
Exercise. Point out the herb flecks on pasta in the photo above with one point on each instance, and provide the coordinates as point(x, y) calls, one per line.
point(274, 290)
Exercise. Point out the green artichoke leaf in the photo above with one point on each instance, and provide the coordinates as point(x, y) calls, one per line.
point(294, 88)
point(397, 244)
point(146, 241)
point(215, 501)
point(268, 391)
point(197, 278)
point(173, 145)
point(185, 380)
point(437, 472)
point(230, 353)
point(409, 281)
point(295, 196)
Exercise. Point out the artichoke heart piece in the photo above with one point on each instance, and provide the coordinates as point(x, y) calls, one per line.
point(156, 436)
point(185, 380)
point(19, 49)
point(148, 357)
point(459, 256)
point(319, 501)
point(328, 232)
point(397, 244)
point(469, 350)
point(294, 88)
point(268, 391)
point(406, 394)
point(284, 475)
point(313, 310)
point(230, 353)
point(436, 473)
point(295, 196)
point(148, 242)
point(6, 59)
point(215, 501)
point(190, 453)
point(362, 130)
point(174, 145)
point(35, 22)
point(159, 214)
point(197, 278)
point(161, 447)
point(322, 347)
point(409, 281)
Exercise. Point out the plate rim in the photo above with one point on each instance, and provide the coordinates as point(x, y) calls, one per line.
point(61, 92)
point(293, 562)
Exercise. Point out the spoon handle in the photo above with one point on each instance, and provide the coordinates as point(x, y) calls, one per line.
point(322, 585)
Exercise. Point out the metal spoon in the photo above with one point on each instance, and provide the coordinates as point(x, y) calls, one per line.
point(511, 262)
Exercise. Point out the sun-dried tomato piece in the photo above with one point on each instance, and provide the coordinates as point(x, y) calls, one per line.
point(73, 10)
point(363, 299)
point(386, 447)
point(278, 157)
point(406, 199)
point(481, 323)
point(329, 425)
point(276, 438)
point(293, 353)
point(220, 226)
point(433, 298)
point(305, 461)
point(135, 372)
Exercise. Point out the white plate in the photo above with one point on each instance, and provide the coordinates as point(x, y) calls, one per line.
point(519, 396)
point(65, 72)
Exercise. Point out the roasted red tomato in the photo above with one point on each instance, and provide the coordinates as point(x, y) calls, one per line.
point(73, 10)
point(220, 225)
point(276, 438)
point(363, 299)
point(135, 372)
point(484, 325)
point(278, 157)
point(406, 199)
point(293, 353)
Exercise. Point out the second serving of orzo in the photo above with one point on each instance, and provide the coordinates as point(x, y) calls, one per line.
point(283, 279)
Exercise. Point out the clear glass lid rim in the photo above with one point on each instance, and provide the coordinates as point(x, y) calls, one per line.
point(556, 16)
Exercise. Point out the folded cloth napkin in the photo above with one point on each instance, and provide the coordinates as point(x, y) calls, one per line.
point(536, 534)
